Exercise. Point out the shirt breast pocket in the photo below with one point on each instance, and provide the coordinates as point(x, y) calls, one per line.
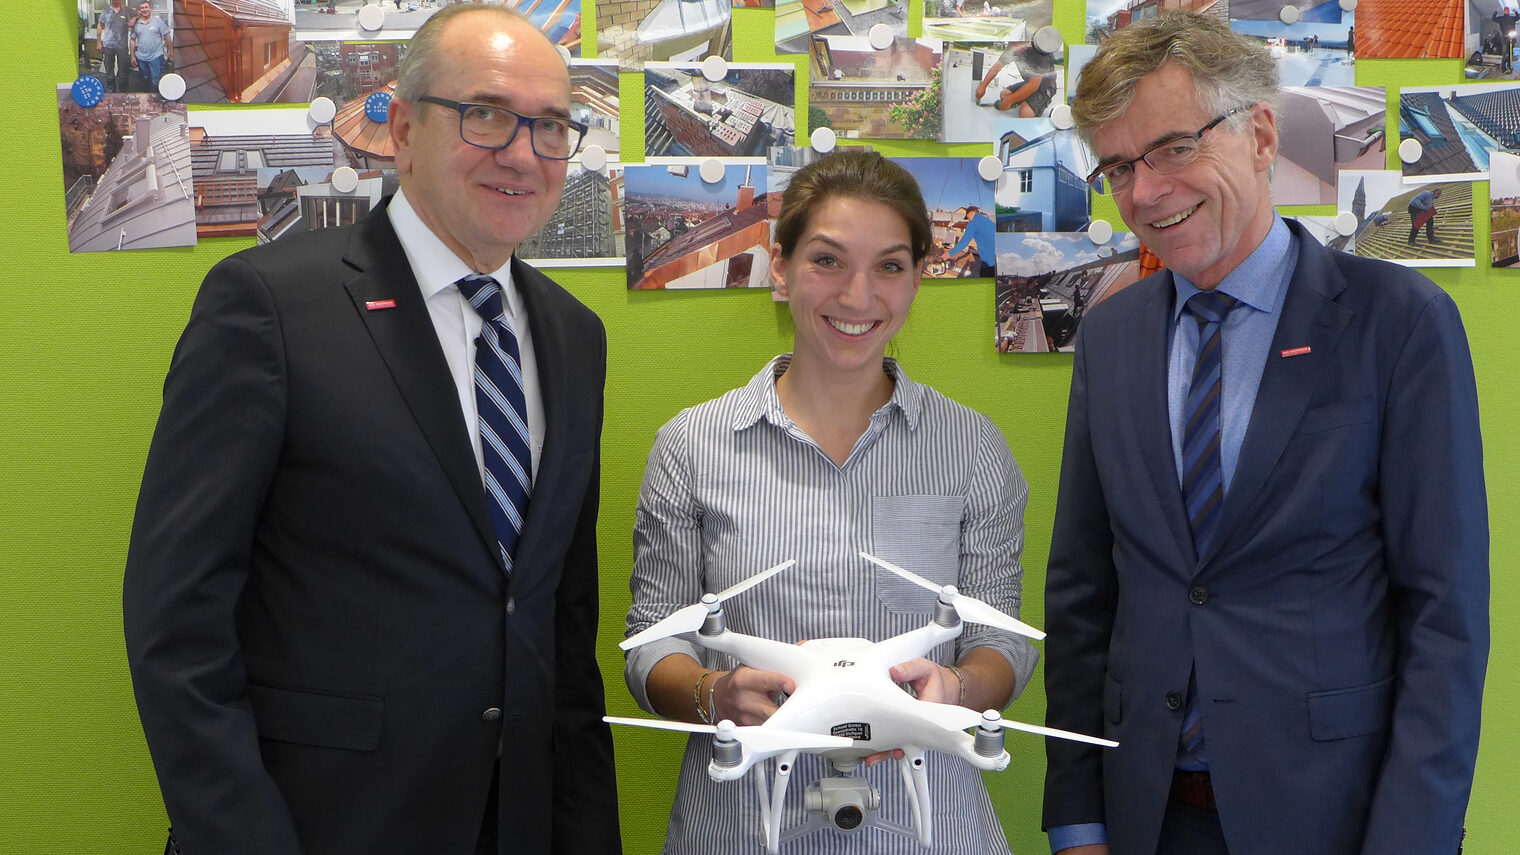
point(921, 534)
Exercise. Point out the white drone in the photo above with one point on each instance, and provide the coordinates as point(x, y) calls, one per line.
point(845, 707)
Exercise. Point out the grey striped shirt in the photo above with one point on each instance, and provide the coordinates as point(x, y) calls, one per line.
point(734, 487)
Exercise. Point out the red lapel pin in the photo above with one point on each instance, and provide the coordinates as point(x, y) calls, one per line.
point(372, 305)
point(1296, 351)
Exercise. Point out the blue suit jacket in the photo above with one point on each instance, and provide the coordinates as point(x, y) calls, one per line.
point(1339, 623)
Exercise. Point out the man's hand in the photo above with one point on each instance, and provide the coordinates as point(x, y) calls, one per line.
point(747, 696)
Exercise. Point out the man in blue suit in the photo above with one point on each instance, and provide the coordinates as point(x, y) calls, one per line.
point(1269, 572)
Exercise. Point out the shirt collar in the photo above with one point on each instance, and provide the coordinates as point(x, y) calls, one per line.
point(1257, 281)
point(759, 399)
point(434, 265)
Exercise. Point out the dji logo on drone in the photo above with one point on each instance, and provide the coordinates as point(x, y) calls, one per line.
point(844, 663)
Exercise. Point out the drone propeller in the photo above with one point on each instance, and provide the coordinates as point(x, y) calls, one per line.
point(969, 608)
point(758, 738)
point(953, 717)
point(690, 618)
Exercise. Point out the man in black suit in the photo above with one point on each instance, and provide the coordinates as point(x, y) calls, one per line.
point(333, 648)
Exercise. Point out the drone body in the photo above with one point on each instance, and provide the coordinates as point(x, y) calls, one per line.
point(845, 707)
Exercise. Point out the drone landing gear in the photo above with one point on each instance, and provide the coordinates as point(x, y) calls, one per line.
point(846, 804)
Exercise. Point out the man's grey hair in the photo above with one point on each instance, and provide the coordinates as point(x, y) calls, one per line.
point(1228, 70)
point(416, 72)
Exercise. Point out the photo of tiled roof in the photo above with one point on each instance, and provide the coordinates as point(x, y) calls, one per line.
point(1423, 117)
point(1399, 29)
point(1495, 113)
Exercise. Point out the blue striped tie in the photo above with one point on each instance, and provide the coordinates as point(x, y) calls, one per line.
point(1202, 482)
point(503, 413)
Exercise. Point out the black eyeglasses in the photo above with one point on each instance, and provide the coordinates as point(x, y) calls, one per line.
point(491, 127)
point(1165, 158)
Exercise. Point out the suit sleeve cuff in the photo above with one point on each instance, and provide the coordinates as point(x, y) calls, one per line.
point(1086, 834)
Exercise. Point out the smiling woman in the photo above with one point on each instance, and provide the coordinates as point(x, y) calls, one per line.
point(830, 451)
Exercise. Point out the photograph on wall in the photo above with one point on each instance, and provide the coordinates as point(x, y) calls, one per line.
point(1105, 17)
point(586, 230)
point(798, 20)
point(1077, 58)
point(684, 232)
point(1322, 130)
point(304, 199)
point(228, 148)
point(1399, 29)
point(338, 20)
point(983, 82)
point(1309, 11)
point(1416, 225)
point(862, 92)
point(1323, 229)
point(1046, 282)
point(960, 205)
point(985, 20)
point(594, 102)
point(1044, 183)
point(1493, 27)
point(754, 4)
point(126, 172)
point(634, 32)
point(129, 45)
point(1504, 210)
point(1459, 128)
point(1307, 54)
point(688, 116)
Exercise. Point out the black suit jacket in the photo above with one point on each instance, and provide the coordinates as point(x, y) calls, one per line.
point(326, 651)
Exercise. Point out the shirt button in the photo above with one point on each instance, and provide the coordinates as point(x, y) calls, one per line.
point(1198, 595)
point(492, 714)
point(1174, 700)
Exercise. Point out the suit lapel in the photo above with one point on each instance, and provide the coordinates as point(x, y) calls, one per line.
point(407, 341)
point(1310, 319)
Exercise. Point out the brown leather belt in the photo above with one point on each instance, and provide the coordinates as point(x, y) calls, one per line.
point(1194, 789)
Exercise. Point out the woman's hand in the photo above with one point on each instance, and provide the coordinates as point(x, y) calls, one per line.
point(746, 696)
point(930, 681)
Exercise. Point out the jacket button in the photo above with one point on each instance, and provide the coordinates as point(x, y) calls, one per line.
point(1174, 700)
point(511, 605)
point(492, 714)
point(1198, 595)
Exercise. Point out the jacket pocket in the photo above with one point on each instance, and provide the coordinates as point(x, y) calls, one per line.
point(1344, 713)
point(921, 534)
point(1355, 411)
point(350, 722)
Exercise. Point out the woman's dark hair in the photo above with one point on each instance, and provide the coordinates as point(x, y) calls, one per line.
point(858, 174)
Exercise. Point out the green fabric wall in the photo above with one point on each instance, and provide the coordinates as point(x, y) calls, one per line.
point(85, 341)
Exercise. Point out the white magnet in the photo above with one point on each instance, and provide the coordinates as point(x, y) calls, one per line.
point(1060, 116)
point(715, 68)
point(989, 167)
point(322, 110)
point(172, 87)
point(1348, 5)
point(1288, 15)
point(371, 17)
point(1100, 232)
point(594, 157)
point(1345, 224)
point(824, 140)
point(1048, 40)
point(711, 170)
point(881, 36)
point(1410, 150)
point(564, 53)
point(345, 179)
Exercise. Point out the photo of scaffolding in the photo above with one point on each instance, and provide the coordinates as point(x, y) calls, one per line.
point(1459, 128)
point(740, 116)
point(984, 82)
point(1322, 130)
point(586, 230)
point(228, 148)
point(984, 20)
point(1044, 183)
point(302, 199)
point(1416, 225)
point(860, 91)
point(634, 32)
point(798, 20)
point(126, 173)
point(594, 102)
point(1307, 53)
point(1504, 210)
point(1047, 281)
point(684, 232)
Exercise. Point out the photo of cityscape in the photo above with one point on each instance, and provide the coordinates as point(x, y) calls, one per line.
point(1047, 281)
point(684, 232)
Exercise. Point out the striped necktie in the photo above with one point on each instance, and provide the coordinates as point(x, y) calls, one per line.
point(502, 411)
point(1202, 481)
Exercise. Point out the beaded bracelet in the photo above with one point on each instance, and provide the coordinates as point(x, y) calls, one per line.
point(962, 679)
point(696, 697)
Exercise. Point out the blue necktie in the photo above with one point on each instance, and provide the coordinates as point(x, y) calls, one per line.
point(1202, 481)
point(503, 413)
